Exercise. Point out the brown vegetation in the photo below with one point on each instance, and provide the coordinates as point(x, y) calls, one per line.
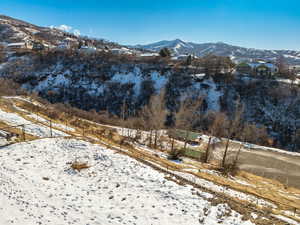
point(79, 166)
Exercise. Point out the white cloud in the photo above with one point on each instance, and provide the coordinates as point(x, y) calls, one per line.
point(66, 28)
point(76, 32)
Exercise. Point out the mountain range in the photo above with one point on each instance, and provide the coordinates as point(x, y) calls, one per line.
point(236, 53)
point(14, 30)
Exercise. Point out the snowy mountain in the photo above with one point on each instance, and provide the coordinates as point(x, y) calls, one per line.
point(15, 31)
point(222, 49)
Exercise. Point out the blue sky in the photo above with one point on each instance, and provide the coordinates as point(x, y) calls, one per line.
point(268, 24)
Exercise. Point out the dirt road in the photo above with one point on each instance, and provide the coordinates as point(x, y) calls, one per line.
point(275, 165)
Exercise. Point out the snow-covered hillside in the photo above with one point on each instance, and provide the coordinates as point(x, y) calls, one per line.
point(39, 187)
point(90, 82)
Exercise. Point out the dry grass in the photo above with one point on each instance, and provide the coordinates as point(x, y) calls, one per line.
point(79, 166)
point(263, 188)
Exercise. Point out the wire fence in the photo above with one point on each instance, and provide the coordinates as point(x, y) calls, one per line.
point(24, 131)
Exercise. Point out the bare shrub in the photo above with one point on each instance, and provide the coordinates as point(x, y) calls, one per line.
point(229, 169)
point(175, 154)
point(8, 87)
point(256, 135)
point(79, 166)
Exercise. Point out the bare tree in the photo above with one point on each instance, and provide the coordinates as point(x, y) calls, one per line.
point(187, 116)
point(282, 66)
point(234, 127)
point(154, 116)
point(214, 65)
point(2, 53)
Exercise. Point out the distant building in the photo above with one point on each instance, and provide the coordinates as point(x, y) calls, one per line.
point(183, 57)
point(261, 69)
point(19, 46)
point(295, 68)
point(38, 46)
point(88, 49)
point(64, 45)
point(198, 77)
point(121, 51)
point(266, 69)
point(149, 54)
point(180, 57)
point(244, 68)
point(67, 43)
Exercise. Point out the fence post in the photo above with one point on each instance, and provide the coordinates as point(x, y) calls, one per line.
point(207, 151)
point(23, 132)
point(51, 128)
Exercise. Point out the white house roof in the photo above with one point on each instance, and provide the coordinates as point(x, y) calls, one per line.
point(253, 65)
point(148, 54)
point(88, 47)
point(16, 44)
point(270, 65)
point(199, 75)
point(121, 50)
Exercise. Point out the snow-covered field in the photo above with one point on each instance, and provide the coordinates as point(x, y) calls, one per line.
point(38, 187)
point(33, 129)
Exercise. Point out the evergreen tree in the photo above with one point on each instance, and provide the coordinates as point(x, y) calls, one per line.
point(189, 60)
point(165, 52)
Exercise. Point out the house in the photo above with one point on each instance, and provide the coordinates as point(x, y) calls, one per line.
point(198, 77)
point(19, 46)
point(266, 69)
point(183, 57)
point(180, 57)
point(38, 46)
point(64, 45)
point(87, 49)
point(244, 68)
point(67, 43)
point(148, 54)
point(260, 69)
point(121, 51)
